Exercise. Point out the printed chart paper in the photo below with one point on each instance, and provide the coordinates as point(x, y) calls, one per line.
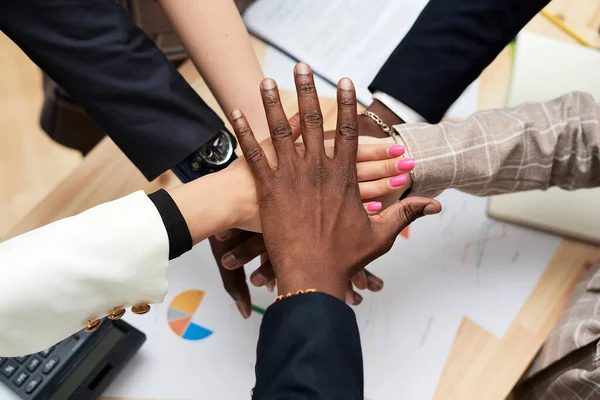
point(460, 263)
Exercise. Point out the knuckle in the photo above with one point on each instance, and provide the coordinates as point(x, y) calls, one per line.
point(348, 131)
point(306, 87)
point(281, 131)
point(312, 119)
point(253, 154)
point(347, 100)
point(271, 100)
point(408, 214)
point(243, 130)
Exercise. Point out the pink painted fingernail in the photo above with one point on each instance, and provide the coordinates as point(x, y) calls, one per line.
point(374, 206)
point(406, 164)
point(396, 151)
point(398, 181)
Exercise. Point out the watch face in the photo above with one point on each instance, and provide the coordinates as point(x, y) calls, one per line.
point(218, 151)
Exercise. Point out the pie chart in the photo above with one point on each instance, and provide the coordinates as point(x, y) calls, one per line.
point(180, 314)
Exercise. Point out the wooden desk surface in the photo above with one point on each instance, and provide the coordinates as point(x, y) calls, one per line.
point(480, 365)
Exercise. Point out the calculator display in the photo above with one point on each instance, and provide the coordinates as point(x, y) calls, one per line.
point(109, 340)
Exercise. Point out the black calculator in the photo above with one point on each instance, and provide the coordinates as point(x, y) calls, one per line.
point(78, 368)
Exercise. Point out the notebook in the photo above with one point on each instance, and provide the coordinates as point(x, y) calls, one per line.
point(545, 68)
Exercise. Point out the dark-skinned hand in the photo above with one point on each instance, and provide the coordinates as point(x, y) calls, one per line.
point(316, 231)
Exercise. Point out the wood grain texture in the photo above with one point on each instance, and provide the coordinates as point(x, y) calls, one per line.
point(31, 164)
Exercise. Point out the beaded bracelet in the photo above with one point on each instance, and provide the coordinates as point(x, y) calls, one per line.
point(289, 294)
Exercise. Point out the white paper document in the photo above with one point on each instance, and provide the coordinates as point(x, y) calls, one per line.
point(457, 264)
point(341, 38)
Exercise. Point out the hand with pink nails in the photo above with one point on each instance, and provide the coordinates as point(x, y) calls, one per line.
point(316, 229)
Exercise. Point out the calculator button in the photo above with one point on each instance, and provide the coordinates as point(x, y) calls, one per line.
point(20, 378)
point(21, 360)
point(9, 368)
point(33, 383)
point(50, 364)
point(45, 353)
point(33, 364)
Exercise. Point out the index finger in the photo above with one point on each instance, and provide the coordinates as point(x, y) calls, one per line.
point(255, 157)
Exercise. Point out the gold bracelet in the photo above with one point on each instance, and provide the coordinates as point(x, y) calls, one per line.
point(289, 294)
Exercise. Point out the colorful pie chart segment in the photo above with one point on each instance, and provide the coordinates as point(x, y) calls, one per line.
point(180, 313)
point(404, 232)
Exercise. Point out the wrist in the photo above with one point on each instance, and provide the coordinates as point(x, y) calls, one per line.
point(293, 282)
point(369, 127)
point(207, 205)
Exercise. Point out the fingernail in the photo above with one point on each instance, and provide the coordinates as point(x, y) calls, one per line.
point(268, 84)
point(271, 285)
point(406, 164)
point(374, 206)
point(229, 261)
point(302, 68)
point(258, 279)
point(376, 285)
point(398, 181)
point(357, 299)
point(396, 151)
point(345, 84)
point(235, 114)
point(431, 209)
point(243, 309)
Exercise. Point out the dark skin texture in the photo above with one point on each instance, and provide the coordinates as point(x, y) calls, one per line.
point(316, 230)
point(245, 246)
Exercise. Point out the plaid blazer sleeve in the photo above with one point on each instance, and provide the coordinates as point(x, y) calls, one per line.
point(532, 146)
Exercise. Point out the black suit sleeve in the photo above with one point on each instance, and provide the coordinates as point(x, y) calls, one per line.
point(447, 48)
point(309, 348)
point(95, 52)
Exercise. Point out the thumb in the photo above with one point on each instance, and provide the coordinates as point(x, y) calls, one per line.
point(295, 125)
point(403, 213)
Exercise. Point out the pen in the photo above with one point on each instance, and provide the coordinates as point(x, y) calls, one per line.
point(556, 21)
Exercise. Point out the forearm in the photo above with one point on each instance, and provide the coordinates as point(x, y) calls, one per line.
point(216, 39)
point(212, 204)
point(320, 355)
point(57, 278)
point(533, 146)
point(447, 48)
point(97, 54)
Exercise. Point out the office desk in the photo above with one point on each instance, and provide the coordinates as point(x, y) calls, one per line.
point(480, 365)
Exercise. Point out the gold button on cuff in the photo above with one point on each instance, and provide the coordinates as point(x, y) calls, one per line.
point(116, 313)
point(140, 308)
point(92, 325)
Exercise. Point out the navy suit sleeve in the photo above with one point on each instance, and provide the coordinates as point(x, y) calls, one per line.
point(93, 49)
point(309, 348)
point(447, 48)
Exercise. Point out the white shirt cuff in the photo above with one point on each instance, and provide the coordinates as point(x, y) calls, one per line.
point(403, 111)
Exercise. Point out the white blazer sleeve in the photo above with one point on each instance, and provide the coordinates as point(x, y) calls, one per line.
point(56, 278)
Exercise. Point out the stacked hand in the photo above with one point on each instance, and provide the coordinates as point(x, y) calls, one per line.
point(380, 171)
point(316, 230)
